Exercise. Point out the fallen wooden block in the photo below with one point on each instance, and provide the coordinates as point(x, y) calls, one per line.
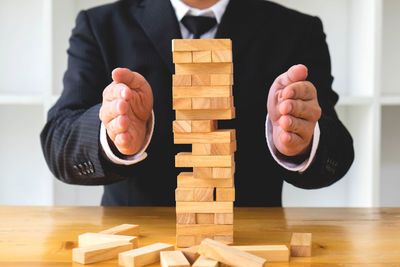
point(201, 44)
point(229, 255)
point(173, 259)
point(205, 262)
point(186, 179)
point(191, 253)
point(144, 255)
point(205, 229)
point(89, 239)
point(272, 253)
point(224, 239)
point(123, 229)
point(300, 245)
point(214, 149)
point(186, 159)
point(204, 207)
point(100, 252)
point(225, 194)
point(206, 114)
point(201, 91)
point(218, 136)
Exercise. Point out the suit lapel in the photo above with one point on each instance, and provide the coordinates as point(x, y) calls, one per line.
point(158, 20)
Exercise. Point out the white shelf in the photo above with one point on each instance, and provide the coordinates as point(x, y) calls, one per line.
point(21, 99)
point(355, 100)
point(387, 100)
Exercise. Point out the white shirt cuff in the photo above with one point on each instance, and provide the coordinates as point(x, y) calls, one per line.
point(127, 160)
point(284, 163)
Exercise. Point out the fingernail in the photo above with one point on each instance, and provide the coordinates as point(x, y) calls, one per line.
point(123, 93)
point(290, 122)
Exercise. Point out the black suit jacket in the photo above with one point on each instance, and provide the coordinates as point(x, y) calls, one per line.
point(267, 39)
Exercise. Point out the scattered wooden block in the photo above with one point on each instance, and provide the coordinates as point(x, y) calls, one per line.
point(201, 44)
point(201, 56)
point(100, 252)
point(204, 126)
point(123, 229)
point(223, 218)
point(181, 103)
point(212, 102)
point(225, 194)
point(203, 194)
point(182, 126)
point(225, 239)
point(186, 179)
point(272, 253)
point(204, 207)
point(185, 218)
point(222, 56)
point(202, 172)
point(221, 79)
point(173, 259)
point(205, 262)
point(300, 245)
point(181, 80)
point(218, 173)
point(90, 239)
point(184, 241)
point(184, 194)
point(182, 57)
point(204, 68)
point(214, 149)
point(202, 91)
point(191, 253)
point(218, 136)
point(144, 255)
point(201, 80)
point(205, 218)
point(186, 159)
point(206, 114)
point(204, 229)
point(229, 255)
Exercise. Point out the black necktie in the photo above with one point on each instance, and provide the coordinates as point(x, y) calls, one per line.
point(198, 25)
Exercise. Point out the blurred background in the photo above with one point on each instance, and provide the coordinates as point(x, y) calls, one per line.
point(364, 41)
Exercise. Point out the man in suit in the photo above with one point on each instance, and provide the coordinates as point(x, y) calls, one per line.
point(113, 122)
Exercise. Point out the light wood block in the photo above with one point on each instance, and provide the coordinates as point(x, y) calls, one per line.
point(228, 255)
point(202, 172)
point(203, 68)
point(222, 55)
point(272, 253)
point(201, 44)
point(186, 159)
point(202, 80)
point(204, 229)
point(185, 218)
point(205, 262)
point(218, 173)
point(181, 103)
point(206, 114)
point(223, 218)
point(90, 239)
point(225, 239)
point(204, 218)
point(221, 79)
point(214, 149)
point(300, 245)
point(203, 194)
point(182, 57)
point(184, 241)
point(182, 126)
point(143, 256)
point(100, 252)
point(202, 91)
point(181, 80)
point(184, 194)
point(218, 136)
point(173, 259)
point(201, 56)
point(123, 229)
point(204, 207)
point(225, 194)
point(186, 179)
point(204, 126)
point(191, 253)
point(212, 102)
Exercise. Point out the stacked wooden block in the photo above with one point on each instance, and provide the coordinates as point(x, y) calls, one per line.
point(202, 94)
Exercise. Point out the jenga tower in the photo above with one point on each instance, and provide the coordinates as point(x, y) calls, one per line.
point(202, 94)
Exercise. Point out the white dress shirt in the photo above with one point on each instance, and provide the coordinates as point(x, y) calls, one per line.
point(216, 11)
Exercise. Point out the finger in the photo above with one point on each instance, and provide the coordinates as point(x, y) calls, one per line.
point(303, 128)
point(116, 91)
point(291, 143)
point(294, 74)
point(132, 79)
point(118, 125)
point(112, 109)
point(300, 90)
point(308, 110)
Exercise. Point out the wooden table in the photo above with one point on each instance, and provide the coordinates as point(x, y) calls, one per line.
point(44, 236)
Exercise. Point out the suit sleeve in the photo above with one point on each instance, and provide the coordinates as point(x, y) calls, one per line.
point(335, 152)
point(70, 138)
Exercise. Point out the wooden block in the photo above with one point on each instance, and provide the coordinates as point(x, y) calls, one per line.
point(205, 218)
point(221, 79)
point(204, 126)
point(201, 56)
point(204, 207)
point(184, 194)
point(191, 253)
point(205, 262)
point(184, 241)
point(202, 79)
point(181, 103)
point(90, 239)
point(206, 114)
point(144, 255)
point(201, 44)
point(222, 55)
point(100, 252)
point(123, 229)
point(202, 91)
point(300, 245)
point(212, 103)
point(203, 194)
point(202, 172)
point(204, 229)
point(203, 68)
point(185, 218)
point(181, 80)
point(225, 194)
point(218, 136)
point(223, 218)
point(218, 173)
point(186, 159)
point(272, 253)
point(225, 239)
point(173, 259)
point(228, 255)
point(186, 179)
point(182, 57)
point(182, 126)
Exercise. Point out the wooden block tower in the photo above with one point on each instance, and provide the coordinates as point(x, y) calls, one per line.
point(202, 94)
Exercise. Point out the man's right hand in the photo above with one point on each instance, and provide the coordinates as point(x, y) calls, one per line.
point(127, 105)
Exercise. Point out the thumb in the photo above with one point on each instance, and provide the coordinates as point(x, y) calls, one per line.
point(294, 74)
point(132, 79)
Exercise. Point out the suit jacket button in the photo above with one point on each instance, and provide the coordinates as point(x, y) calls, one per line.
point(91, 167)
point(76, 169)
point(82, 168)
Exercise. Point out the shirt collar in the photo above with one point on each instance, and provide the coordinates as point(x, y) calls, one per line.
point(216, 11)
